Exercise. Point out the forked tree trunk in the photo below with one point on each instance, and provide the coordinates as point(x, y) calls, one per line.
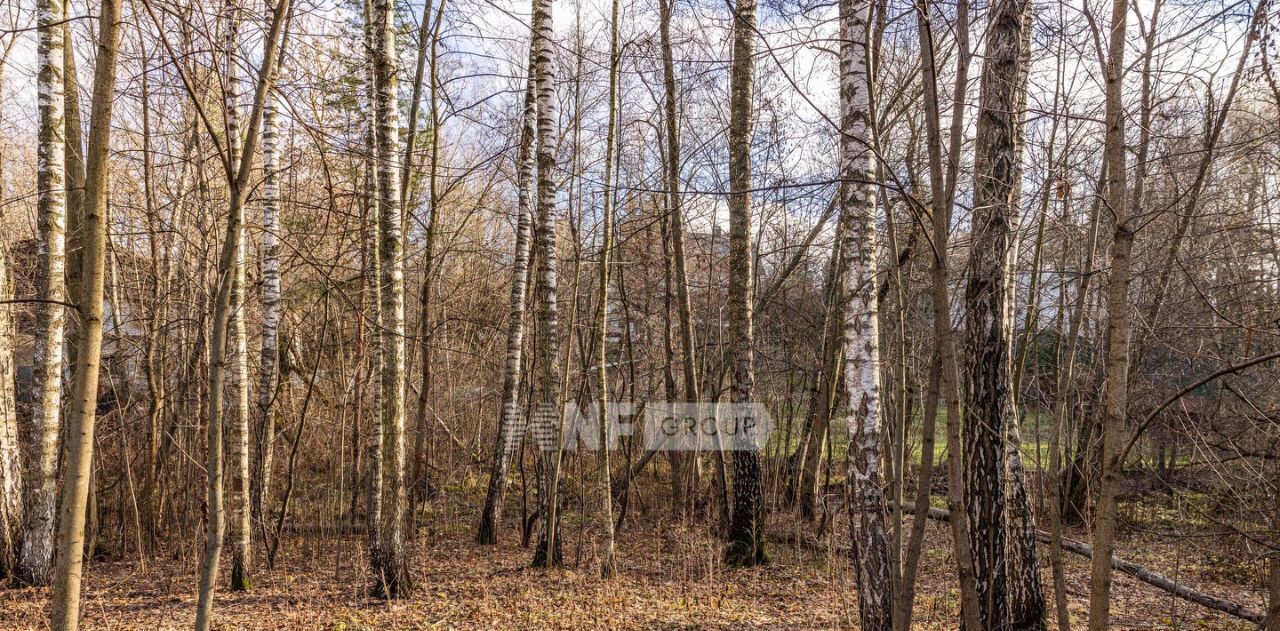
point(84, 393)
point(40, 487)
point(989, 414)
point(392, 578)
point(237, 163)
point(511, 420)
point(860, 328)
point(746, 528)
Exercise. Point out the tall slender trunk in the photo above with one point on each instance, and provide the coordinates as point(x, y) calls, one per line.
point(269, 354)
point(942, 197)
point(680, 462)
point(1116, 390)
point(10, 460)
point(1026, 593)
point(35, 557)
point(373, 289)
point(421, 459)
point(392, 580)
point(237, 355)
point(511, 421)
point(1005, 600)
point(549, 418)
point(153, 369)
point(824, 393)
point(84, 394)
point(74, 142)
point(860, 338)
point(607, 566)
point(746, 528)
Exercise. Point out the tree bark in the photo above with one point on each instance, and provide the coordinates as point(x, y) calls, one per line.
point(746, 527)
point(269, 355)
point(549, 418)
point(392, 580)
point(373, 288)
point(1116, 390)
point(511, 423)
point(10, 459)
point(35, 557)
point(1008, 584)
point(860, 342)
point(238, 354)
point(65, 613)
point(607, 562)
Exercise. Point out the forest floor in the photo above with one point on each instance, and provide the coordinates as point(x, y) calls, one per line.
point(670, 578)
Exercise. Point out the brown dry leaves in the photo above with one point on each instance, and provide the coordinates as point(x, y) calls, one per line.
point(671, 578)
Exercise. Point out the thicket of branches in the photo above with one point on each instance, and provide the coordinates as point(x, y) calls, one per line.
point(332, 262)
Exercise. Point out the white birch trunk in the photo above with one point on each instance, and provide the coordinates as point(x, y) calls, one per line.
point(607, 566)
point(373, 509)
point(268, 372)
point(238, 354)
point(746, 528)
point(861, 324)
point(393, 579)
point(549, 418)
point(511, 424)
point(35, 557)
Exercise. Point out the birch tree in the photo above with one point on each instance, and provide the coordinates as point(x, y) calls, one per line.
point(549, 418)
point(746, 530)
point(238, 353)
point(392, 578)
point(860, 337)
point(373, 292)
point(238, 167)
point(268, 365)
point(989, 414)
point(35, 558)
point(510, 417)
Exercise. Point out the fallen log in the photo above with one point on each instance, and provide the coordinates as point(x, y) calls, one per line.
point(1137, 571)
